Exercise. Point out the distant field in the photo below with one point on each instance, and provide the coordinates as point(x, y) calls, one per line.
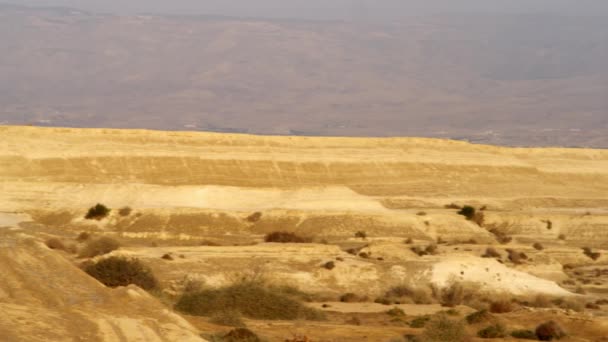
point(514, 80)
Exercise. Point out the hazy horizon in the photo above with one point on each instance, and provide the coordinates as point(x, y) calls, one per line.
point(332, 9)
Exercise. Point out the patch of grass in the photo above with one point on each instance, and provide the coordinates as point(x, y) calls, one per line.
point(100, 246)
point(252, 299)
point(98, 212)
point(493, 331)
point(549, 331)
point(524, 334)
point(443, 329)
point(120, 271)
point(286, 237)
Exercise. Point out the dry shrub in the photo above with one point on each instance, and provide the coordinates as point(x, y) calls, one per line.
point(452, 206)
point(55, 243)
point(429, 250)
point(83, 236)
point(120, 271)
point(329, 265)
point(468, 212)
point(167, 257)
point(241, 335)
point(589, 253)
point(209, 243)
point(562, 237)
point(549, 331)
point(125, 211)
point(397, 312)
point(478, 317)
point(408, 241)
point(421, 213)
point(592, 306)
point(443, 329)
point(364, 255)
point(491, 253)
point(572, 304)
point(516, 257)
point(286, 237)
point(252, 299)
point(538, 246)
point(541, 301)
point(501, 237)
point(361, 234)
point(417, 294)
point(98, 212)
point(255, 217)
point(100, 246)
point(524, 334)
point(493, 331)
point(501, 306)
point(229, 318)
point(350, 298)
point(453, 295)
point(420, 322)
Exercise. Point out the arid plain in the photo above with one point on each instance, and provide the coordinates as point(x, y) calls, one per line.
point(383, 247)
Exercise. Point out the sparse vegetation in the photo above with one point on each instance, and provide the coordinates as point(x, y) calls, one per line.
point(549, 331)
point(417, 295)
point(452, 206)
point(286, 237)
point(167, 257)
point(421, 213)
point(420, 322)
point(443, 329)
point(493, 331)
point(252, 299)
point(329, 265)
point(395, 312)
point(429, 250)
point(516, 257)
point(491, 253)
point(98, 212)
point(452, 295)
point(120, 271)
point(538, 246)
point(230, 318)
point(241, 335)
point(99, 246)
point(501, 306)
point(468, 212)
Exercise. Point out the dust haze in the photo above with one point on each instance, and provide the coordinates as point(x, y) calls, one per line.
point(513, 73)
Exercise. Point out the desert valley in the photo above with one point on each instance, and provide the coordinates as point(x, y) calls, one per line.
point(297, 238)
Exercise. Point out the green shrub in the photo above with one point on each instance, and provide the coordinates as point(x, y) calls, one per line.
point(286, 237)
point(100, 246)
point(97, 212)
point(493, 331)
point(443, 329)
point(524, 334)
point(478, 316)
point(252, 299)
point(549, 331)
point(120, 271)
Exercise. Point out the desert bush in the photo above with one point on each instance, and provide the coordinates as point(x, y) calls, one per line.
point(55, 243)
point(538, 246)
point(229, 318)
point(125, 211)
point(501, 237)
point(516, 257)
point(501, 306)
point(549, 331)
point(417, 294)
point(589, 253)
point(468, 212)
point(429, 250)
point(592, 306)
point(491, 253)
point(421, 213)
point(541, 301)
point(83, 236)
point(478, 317)
point(361, 234)
point(524, 334)
point(493, 331)
point(100, 246)
point(572, 304)
point(255, 217)
point(452, 295)
point(419, 322)
point(364, 255)
point(120, 271)
point(241, 335)
point(167, 257)
point(452, 206)
point(562, 237)
point(350, 298)
point(286, 237)
point(395, 312)
point(408, 241)
point(252, 299)
point(97, 212)
point(329, 265)
point(443, 329)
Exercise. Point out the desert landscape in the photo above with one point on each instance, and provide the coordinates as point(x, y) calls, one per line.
point(137, 235)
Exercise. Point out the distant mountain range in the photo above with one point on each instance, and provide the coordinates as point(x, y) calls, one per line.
point(513, 79)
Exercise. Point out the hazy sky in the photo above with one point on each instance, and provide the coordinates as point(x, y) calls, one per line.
point(327, 9)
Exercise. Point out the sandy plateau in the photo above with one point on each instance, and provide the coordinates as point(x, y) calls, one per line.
point(203, 203)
